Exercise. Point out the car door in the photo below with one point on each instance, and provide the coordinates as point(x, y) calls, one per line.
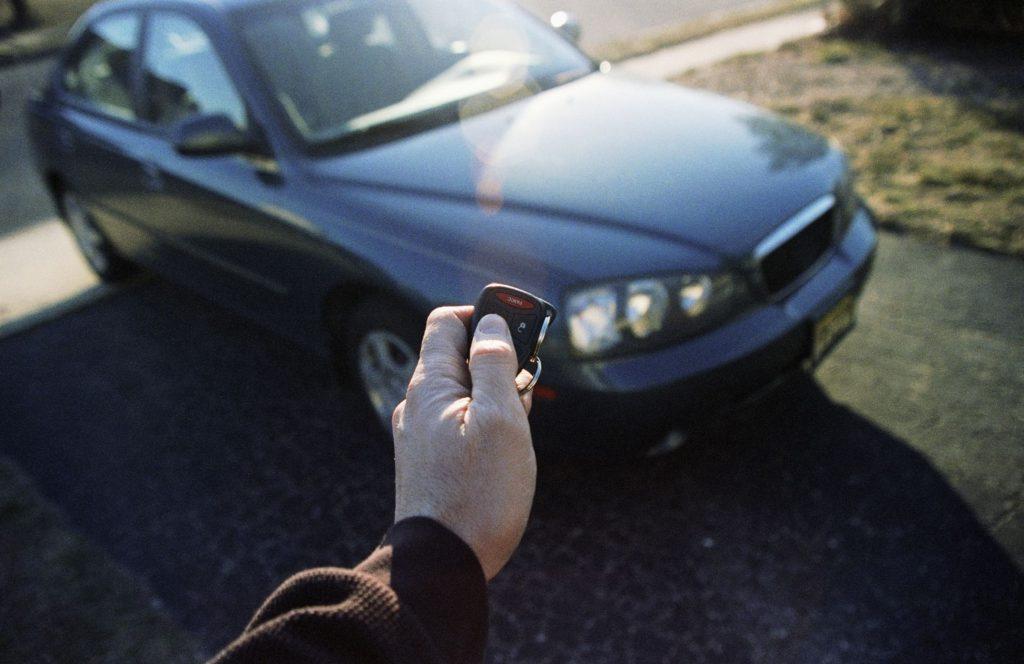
point(211, 211)
point(96, 128)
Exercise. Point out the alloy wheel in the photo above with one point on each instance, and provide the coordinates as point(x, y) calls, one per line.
point(386, 364)
point(89, 239)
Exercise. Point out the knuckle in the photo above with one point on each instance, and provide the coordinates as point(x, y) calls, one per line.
point(494, 419)
point(415, 387)
point(396, 416)
point(416, 382)
point(436, 316)
point(441, 316)
point(488, 417)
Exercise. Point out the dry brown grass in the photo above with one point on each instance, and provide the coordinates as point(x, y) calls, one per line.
point(936, 134)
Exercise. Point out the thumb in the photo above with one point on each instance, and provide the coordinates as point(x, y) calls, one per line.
point(492, 363)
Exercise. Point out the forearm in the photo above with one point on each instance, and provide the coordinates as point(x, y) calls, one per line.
point(420, 597)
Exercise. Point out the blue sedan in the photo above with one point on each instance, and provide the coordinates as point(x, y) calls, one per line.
point(336, 168)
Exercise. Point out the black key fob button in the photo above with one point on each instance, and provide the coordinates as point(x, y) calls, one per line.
point(526, 315)
point(522, 328)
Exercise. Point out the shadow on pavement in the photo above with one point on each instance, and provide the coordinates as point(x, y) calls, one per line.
point(803, 533)
point(215, 459)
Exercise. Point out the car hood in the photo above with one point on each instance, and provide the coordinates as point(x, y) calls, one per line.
point(644, 156)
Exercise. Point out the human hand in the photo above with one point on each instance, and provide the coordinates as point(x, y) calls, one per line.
point(463, 452)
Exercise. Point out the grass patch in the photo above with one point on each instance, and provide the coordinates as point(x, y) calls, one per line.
point(51, 20)
point(824, 110)
point(934, 131)
point(617, 50)
point(48, 12)
point(63, 600)
point(836, 52)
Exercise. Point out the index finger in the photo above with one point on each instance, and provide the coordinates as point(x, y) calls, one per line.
point(445, 347)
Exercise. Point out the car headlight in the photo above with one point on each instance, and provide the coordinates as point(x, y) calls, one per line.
point(593, 320)
point(646, 304)
point(694, 294)
point(640, 314)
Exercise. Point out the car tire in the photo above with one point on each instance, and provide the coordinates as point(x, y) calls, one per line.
point(93, 244)
point(380, 350)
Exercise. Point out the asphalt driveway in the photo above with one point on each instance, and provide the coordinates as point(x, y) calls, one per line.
point(875, 519)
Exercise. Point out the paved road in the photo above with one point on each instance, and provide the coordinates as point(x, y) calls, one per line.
point(866, 521)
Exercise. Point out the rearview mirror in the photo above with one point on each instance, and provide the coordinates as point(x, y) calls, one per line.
point(210, 135)
point(568, 25)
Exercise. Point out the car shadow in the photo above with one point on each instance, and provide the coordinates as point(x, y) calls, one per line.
point(801, 532)
point(214, 459)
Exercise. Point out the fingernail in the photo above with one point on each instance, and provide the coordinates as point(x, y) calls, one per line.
point(491, 325)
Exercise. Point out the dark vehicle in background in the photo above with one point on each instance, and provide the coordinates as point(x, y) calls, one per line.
point(336, 168)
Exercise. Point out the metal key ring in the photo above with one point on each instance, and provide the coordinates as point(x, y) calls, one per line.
point(537, 376)
point(532, 381)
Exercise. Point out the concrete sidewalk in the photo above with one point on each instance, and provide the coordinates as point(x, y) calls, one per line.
point(753, 38)
point(42, 274)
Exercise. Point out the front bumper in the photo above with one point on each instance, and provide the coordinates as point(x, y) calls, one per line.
point(621, 403)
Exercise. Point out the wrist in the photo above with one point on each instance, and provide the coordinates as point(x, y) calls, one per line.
point(455, 527)
point(439, 577)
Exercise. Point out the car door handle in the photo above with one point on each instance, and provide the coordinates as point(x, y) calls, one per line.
point(152, 176)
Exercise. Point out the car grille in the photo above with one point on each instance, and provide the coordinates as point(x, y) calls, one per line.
point(797, 246)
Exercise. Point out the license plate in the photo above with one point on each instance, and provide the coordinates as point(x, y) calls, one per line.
point(832, 326)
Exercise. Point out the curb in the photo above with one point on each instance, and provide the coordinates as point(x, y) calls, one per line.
point(758, 37)
point(45, 315)
point(44, 277)
point(653, 40)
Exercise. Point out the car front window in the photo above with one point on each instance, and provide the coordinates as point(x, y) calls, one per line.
point(344, 68)
point(100, 69)
point(183, 74)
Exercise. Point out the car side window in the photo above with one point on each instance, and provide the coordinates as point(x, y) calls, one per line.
point(100, 68)
point(183, 74)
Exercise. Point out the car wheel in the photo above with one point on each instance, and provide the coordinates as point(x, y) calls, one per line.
point(95, 247)
point(382, 346)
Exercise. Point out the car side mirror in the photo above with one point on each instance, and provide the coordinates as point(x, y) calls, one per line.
point(568, 25)
point(206, 135)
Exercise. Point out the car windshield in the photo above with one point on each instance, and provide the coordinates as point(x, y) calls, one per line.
point(345, 68)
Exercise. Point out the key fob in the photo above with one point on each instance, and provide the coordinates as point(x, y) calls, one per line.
point(527, 315)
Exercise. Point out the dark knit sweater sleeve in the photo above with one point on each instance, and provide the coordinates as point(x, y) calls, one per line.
point(420, 597)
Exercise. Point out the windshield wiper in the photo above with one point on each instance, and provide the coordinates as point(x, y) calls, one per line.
point(563, 77)
point(392, 128)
